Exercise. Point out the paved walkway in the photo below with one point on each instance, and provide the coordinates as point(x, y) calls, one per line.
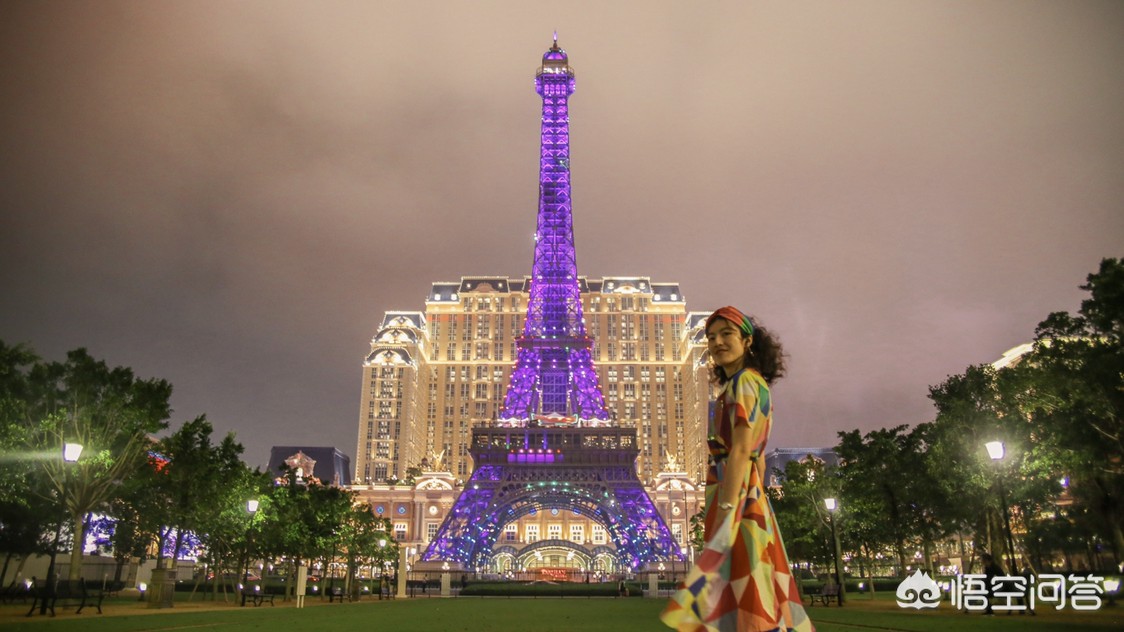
point(129, 603)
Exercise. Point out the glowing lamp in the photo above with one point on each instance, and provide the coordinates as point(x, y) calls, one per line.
point(71, 452)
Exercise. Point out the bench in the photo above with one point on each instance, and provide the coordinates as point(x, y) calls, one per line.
point(17, 590)
point(70, 592)
point(825, 594)
point(336, 593)
point(257, 596)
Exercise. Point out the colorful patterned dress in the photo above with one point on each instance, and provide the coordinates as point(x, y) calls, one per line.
point(742, 580)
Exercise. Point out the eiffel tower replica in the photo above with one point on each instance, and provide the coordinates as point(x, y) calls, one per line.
point(554, 446)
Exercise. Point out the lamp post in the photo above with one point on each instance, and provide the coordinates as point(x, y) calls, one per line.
point(832, 505)
point(70, 454)
point(252, 509)
point(996, 451)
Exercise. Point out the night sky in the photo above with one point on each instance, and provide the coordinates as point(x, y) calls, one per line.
point(228, 195)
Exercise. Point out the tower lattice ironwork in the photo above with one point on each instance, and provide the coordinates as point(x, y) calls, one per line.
point(554, 447)
point(554, 373)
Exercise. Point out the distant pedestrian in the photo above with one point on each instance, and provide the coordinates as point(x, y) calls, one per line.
point(991, 571)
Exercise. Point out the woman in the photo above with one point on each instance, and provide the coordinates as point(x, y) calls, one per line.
point(742, 579)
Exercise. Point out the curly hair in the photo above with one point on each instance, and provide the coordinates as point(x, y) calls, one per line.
point(765, 355)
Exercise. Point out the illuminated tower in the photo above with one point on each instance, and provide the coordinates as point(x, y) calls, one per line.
point(554, 374)
point(552, 448)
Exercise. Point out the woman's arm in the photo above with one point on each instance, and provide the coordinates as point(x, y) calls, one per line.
point(730, 489)
point(745, 437)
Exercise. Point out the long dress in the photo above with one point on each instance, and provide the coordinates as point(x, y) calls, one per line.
point(742, 580)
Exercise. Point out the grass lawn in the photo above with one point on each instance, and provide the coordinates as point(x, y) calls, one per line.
point(523, 615)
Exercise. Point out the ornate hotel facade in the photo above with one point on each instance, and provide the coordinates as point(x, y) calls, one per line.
point(431, 376)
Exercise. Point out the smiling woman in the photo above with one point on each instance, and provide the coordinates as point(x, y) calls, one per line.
point(742, 580)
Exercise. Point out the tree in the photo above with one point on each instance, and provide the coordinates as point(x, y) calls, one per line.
point(27, 508)
point(303, 521)
point(367, 541)
point(110, 412)
point(800, 510)
point(1077, 403)
point(191, 480)
point(884, 473)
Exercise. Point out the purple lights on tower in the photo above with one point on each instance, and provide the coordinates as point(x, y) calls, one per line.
point(553, 373)
point(553, 447)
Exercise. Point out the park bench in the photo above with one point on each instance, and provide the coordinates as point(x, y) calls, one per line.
point(336, 593)
point(257, 596)
point(69, 592)
point(17, 590)
point(824, 594)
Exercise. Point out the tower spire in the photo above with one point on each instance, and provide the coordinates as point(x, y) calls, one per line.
point(554, 373)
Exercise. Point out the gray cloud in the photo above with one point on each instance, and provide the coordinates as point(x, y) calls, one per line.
point(229, 195)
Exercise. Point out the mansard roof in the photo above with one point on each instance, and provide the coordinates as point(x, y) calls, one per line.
point(396, 336)
point(697, 319)
point(450, 291)
point(444, 292)
point(626, 285)
point(779, 457)
point(386, 355)
point(484, 284)
point(666, 293)
point(415, 320)
point(332, 467)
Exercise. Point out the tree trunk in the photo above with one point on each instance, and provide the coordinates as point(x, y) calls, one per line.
point(900, 548)
point(1117, 543)
point(118, 567)
point(4, 573)
point(927, 551)
point(79, 540)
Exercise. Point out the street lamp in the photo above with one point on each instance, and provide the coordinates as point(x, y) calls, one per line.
point(996, 452)
point(832, 505)
point(70, 454)
point(252, 509)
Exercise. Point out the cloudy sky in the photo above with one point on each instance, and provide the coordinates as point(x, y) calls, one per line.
point(228, 195)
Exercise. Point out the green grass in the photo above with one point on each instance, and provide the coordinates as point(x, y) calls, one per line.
point(519, 614)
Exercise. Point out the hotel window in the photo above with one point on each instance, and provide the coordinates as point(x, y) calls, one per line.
point(400, 531)
point(577, 533)
point(431, 531)
point(511, 532)
point(554, 531)
point(598, 534)
point(532, 533)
